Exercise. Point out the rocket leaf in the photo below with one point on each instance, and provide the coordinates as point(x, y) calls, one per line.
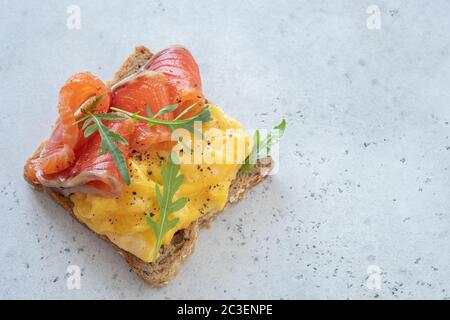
point(262, 148)
point(171, 183)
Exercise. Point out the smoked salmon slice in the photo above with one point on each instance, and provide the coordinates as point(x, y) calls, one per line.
point(56, 155)
point(71, 163)
point(170, 77)
point(183, 78)
point(79, 90)
point(93, 172)
point(134, 94)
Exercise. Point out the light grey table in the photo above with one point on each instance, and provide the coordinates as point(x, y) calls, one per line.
point(360, 207)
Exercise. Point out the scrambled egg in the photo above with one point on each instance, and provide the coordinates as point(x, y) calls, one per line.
point(206, 183)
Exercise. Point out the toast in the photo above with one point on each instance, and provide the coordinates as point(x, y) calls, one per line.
point(165, 268)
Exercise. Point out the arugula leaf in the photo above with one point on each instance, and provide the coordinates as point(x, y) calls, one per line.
point(109, 140)
point(203, 116)
point(171, 183)
point(262, 148)
point(187, 110)
point(166, 110)
point(92, 123)
point(149, 111)
point(90, 130)
point(110, 116)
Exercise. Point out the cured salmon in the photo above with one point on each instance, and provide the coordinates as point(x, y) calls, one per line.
point(183, 78)
point(68, 161)
point(80, 89)
point(94, 172)
point(134, 94)
point(170, 77)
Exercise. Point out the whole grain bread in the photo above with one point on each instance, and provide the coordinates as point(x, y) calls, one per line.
point(160, 272)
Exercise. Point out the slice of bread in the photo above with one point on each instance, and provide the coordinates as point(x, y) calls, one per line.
point(160, 272)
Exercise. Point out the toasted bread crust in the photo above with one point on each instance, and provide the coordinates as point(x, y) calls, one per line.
point(132, 64)
point(160, 272)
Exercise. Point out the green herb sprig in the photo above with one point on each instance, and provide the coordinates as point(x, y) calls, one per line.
point(152, 119)
point(171, 183)
point(93, 123)
point(262, 148)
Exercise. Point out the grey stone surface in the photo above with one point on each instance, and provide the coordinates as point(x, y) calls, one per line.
point(363, 177)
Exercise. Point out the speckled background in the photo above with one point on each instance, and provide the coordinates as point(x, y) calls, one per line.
point(363, 183)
